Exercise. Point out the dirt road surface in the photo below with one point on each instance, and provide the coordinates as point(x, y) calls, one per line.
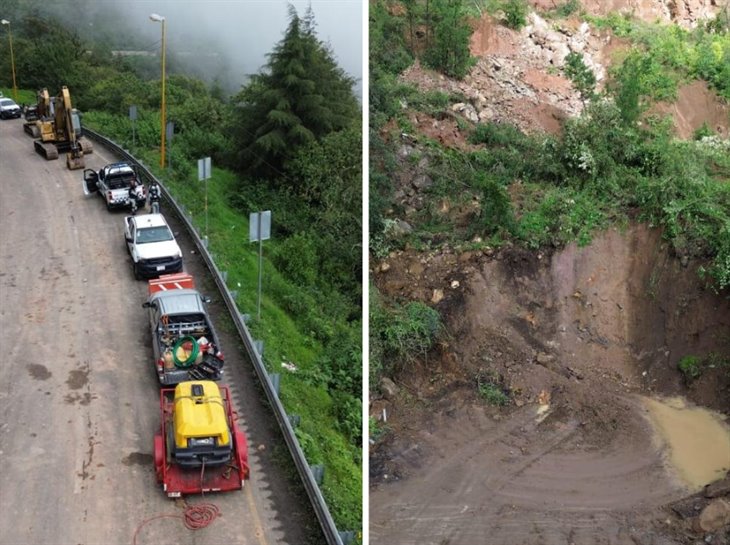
point(78, 393)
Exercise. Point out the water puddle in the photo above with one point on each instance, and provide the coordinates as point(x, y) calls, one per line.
point(698, 439)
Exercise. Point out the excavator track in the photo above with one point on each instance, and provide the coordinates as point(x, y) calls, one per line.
point(32, 129)
point(48, 151)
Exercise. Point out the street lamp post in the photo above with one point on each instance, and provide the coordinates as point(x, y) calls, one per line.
point(163, 117)
point(12, 59)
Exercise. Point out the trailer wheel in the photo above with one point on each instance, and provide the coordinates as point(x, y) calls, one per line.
point(159, 457)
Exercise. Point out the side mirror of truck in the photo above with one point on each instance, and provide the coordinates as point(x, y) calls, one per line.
point(206, 299)
point(146, 304)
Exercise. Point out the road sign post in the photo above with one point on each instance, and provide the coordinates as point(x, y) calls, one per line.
point(133, 117)
point(259, 229)
point(204, 169)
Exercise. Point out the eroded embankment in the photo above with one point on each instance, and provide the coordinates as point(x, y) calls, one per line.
point(585, 331)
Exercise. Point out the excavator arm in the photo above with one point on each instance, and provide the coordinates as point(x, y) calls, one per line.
point(60, 130)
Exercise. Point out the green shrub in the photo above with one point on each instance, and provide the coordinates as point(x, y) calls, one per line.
point(703, 131)
point(691, 368)
point(497, 135)
point(400, 334)
point(515, 12)
point(568, 9)
point(490, 390)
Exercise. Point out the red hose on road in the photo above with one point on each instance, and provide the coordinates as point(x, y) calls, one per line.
point(195, 517)
point(200, 515)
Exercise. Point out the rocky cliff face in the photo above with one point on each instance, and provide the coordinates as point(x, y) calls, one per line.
point(519, 76)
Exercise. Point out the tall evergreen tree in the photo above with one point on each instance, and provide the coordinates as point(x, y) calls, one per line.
point(448, 44)
point(301, 96)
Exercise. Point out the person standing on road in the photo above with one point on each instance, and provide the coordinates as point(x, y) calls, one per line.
point(133, 196)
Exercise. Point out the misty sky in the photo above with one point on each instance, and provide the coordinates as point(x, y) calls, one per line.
point(244, 30)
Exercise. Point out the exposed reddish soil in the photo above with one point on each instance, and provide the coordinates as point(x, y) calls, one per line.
point(518, 77)
point(585, 331)
point(695, 106)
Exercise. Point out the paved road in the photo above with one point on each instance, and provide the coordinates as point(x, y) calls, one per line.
point(78, 395)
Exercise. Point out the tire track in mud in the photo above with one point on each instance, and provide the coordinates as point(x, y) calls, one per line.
point(526, 482)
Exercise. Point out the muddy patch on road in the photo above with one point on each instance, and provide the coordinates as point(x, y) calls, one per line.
point(38, 371)
point(137, 458)
point(78, 378)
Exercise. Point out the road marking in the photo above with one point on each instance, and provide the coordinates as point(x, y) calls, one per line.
point(256, 519)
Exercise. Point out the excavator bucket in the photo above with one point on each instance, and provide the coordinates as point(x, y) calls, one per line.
point(75, 161)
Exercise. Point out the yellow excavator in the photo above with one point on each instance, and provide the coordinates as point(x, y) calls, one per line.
point(61, 132)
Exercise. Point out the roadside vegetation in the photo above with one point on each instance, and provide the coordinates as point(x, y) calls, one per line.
point(290, 142)
point(613, 164)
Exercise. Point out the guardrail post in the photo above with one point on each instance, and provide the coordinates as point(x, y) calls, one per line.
point(234, 294)
point(347, 537)
point(275, 379)
point(318, 473)
point(259, 346)
point(295, 420)
point(224, 276)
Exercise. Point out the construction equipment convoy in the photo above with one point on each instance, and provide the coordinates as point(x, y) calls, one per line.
point(199, 448)
point(184, 342)
point(60, 132)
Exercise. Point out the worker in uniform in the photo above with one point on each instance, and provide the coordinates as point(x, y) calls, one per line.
point(133, 196)
point(154, 194)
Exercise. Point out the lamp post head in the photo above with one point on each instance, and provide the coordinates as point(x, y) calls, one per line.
point(157, 18)
point(5, 22)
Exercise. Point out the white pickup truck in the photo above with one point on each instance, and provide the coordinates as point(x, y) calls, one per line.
point(152, 246)
point(113, 183)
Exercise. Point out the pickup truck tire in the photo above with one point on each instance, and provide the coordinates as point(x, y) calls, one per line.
point(137, 273)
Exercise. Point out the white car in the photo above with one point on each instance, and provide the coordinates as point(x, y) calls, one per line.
point(9, 109)
point(152, 246)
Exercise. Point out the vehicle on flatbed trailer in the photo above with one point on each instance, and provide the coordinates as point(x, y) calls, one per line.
point(199, 447)
point(184, 342)
point(152, 246)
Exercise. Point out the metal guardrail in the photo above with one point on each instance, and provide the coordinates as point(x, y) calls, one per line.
point(287, 430)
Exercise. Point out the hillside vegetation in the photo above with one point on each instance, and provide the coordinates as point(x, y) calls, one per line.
point(494, 185)
point(290, 142)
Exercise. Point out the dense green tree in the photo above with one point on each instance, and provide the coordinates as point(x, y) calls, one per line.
point(301, 96)
point(448, 49)
point(582, 77)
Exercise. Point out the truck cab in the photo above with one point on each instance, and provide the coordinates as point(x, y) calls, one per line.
point(152, 246)
point(113, 183)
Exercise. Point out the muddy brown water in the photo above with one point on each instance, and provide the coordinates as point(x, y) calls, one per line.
point(697, 439)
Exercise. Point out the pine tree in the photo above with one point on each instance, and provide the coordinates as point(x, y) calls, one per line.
point(448, 49)
point(301, 96)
